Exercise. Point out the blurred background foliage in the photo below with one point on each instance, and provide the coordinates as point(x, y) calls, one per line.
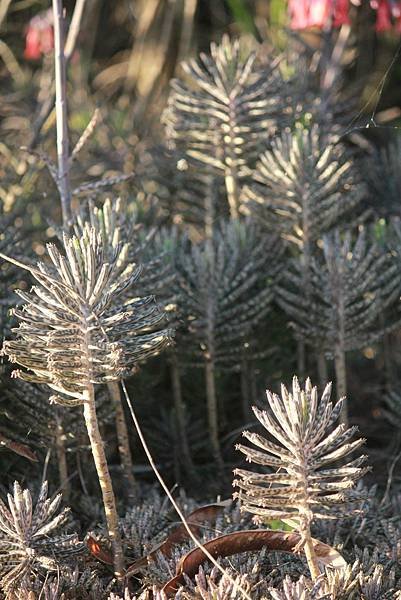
point(126, 53)
point(125, 56)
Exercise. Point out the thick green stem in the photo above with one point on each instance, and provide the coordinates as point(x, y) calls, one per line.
point(103, 474)
point(124, 449)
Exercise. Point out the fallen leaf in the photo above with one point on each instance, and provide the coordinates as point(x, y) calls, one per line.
point(98, 552)
point(248, 541)
point(18, 448)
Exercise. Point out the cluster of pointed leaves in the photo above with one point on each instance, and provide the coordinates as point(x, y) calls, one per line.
point(303, 185)
point(226, 587)
point(122, 223)
point(351, 284)
point(119, 223)
point(72, 330)
point(222, 111)
point(11, 242)
point(304, 483)
point(226, 286)
point(30, 537)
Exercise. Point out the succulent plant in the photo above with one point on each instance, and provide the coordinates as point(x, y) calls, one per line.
point(352, 283)
point(303, 185)
point(221, 113)
point(304, 485)
point(302, 589)
point(73, 334)
point(226, 287)
point(32, 537)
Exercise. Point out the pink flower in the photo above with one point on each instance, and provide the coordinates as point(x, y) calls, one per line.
point(334, 13)
point(319, 13)
point(396, 9)
point(32, 44)
point(39, 36)
point(298, 10)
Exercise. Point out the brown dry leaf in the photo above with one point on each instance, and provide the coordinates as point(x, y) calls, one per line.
point(18, 448)
point(98, 552)
point(249, 541)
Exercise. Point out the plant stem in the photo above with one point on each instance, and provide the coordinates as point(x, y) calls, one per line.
point(180, 414)
point(61, 112)
point(62, 459)
point(212, 414)
point(232, 188)
point(70, 44)
point(311, 556)
point(102, 469)
point(245, 391)
point(337, 287)
point(341, 378)
point(322, 368)
point(124, 449)
point(231, 174)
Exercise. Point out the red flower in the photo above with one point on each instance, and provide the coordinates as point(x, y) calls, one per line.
point(334, 13)
point(341, 16)
point(383, 18)
point(39, 36)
